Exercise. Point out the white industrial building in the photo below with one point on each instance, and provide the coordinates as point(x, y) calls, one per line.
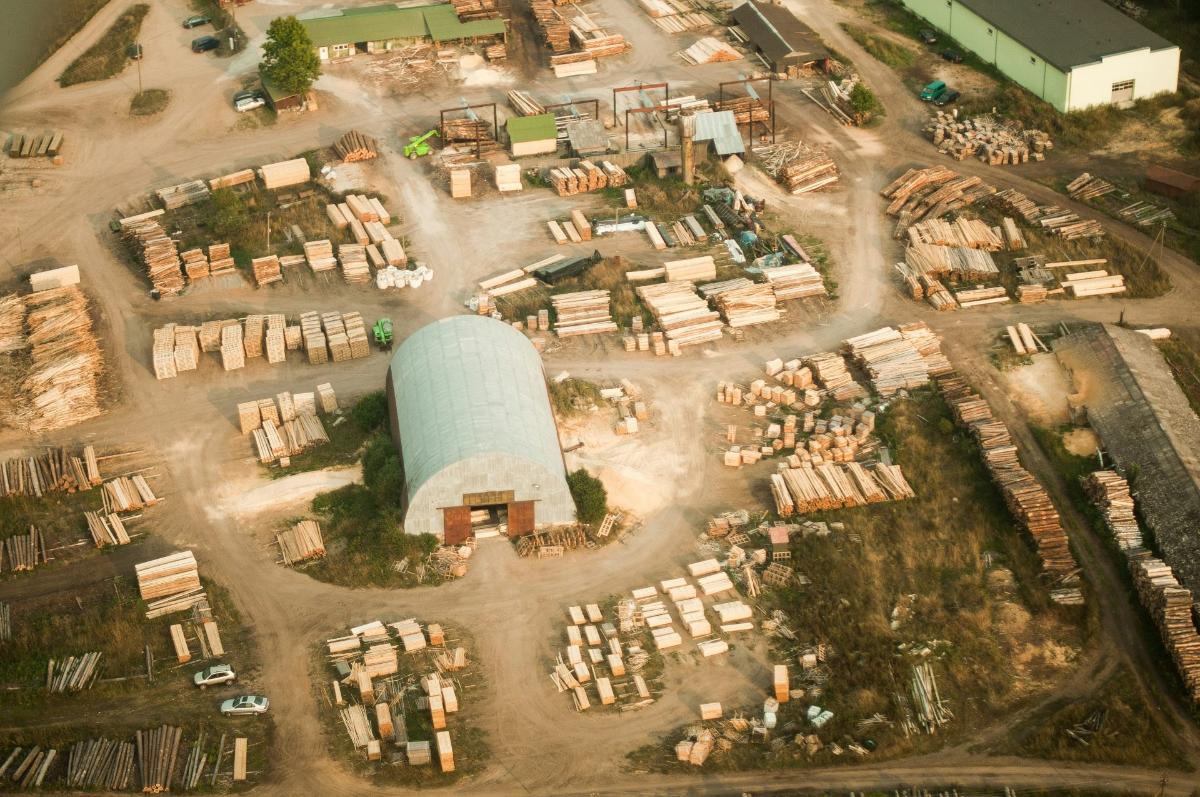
point(472, 418)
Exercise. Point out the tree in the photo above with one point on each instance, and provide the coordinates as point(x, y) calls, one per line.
point(227, 213)
point(371, 411)
point(864, 101)
point(289, 59)
point(591, 499)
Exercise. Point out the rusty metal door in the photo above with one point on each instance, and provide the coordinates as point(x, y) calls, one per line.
point(456, 524)
point(520, 518)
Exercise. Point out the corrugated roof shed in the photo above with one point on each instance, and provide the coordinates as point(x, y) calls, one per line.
point(720, 127)
point(531, 128)
point(1067, 33)
point(778, 34)
point(445, 26)
point(467, 386)
point(379, 23)
point(587, 136)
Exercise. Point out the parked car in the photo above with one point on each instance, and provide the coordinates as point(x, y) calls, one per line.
point(934, 90)
point(950, 96)
point(245, 705)
point(953, 56)
point(248, 100)
point(196, 21)
point(214, 675)
point(205, 43)
point(927, 36)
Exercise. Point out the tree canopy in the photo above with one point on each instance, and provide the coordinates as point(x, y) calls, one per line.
point(591, 499)
point(289, 59)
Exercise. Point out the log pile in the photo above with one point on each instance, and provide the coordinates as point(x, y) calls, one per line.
point(932, 193)
point(72, 674)
point(158, 252)
point(798, 167)
point(952, 262)
point(899, 359)
point(1085, 187)
point(355, 146)
point(157, 751)
point(468, 131)
point(106, 528)
point(302, 541)
point(1109, 491)
point(1170, 605)
point(1027, 500)
point(828, 486)
point(22, 552)
point(168, 576)
point(962, 233)
point(583, 313)
point(130, 494)
point(62, 383)
point(795, 281)
point(54, 469)
point(681, 313)
point(31, 771)
point(995, 141)
point(743, 303)
point(1066, 224)
point(100, 764)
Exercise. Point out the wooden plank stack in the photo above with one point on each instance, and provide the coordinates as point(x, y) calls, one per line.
point(240, 177)
point(1170, 606)
point(1109, 491)
point(693, 269)
point(158, 252)
point(355, 146)
point(974, 297)
point(743, 303)
point(285, 173)
point(301, 542)
point(952, 262)
point(829, 369)
point(555, 29)
point(168, 576)
point(220, 261)
point(583, 313)
point(22, 552)
point(795, 281)
point(899, 359)
point(62, 382)
point(797, 166)
point(709, 50)
point(177, 196)
point(355, 269)
point(962, 232)
point(682, 314)
point(266, 270)
point(100, 764)
point(195, 264)
point(320, 255)
point(931, 193)
point(1093, 283)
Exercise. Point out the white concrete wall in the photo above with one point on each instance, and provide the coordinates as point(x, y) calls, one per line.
point(483, 473)
point(1153, 72)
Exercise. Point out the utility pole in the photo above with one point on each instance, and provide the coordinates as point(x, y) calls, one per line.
point(268, 231)
point(140, 53)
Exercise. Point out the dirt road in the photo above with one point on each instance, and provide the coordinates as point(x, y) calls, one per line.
point(511, 606)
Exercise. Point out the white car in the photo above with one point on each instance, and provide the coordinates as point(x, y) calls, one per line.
point(250, 103)
point(214, 675)
point(246, 704)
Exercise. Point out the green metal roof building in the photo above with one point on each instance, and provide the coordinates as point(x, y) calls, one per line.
point(343, 32)
point(532, 135)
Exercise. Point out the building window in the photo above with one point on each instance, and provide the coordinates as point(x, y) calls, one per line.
point(1124, 85)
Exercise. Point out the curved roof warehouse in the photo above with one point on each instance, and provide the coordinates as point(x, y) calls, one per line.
point(472, 419)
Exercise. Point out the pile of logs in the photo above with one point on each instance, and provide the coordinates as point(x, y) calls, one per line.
point(100, 763)
point(743, 303)
point(1085, 187)
point(158, 252)
point(31, 772)
point(963, 233)
point(899, 359)
point(798, 167)
point(1170, 605)
point(587, 176)
point(1014, 239)
point(827, 486)
point(355, 146)
point(752, 109)
point(1109, 491)
point(168, 576)
point(302, 541)
point(5, 622)
point(62, 383)
point(127, 494)
point(583, 313)
point(1024, 495)
point(795, 281)
point(682, 314)
point(193, 768)
point(157, 751)
point(23, 551)
point(995, 141)
point(106, 528)
point(475, 9)
point(52, 470)
point(468, 131)
point(955, 263)
point(931, 193)
point(72, 674)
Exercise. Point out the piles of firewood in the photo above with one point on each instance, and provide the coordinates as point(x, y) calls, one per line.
point(955, 263)
point(23, 551)
point(931, 193)
point(681, 313)
point(72, 674)
point(995, 141)
point(31, 771)
point(899, 359)
point(157, 750)
point(1170, 605)
point(158, 252)
point(106, 528)
point(1109, 490)
point(587, 176)
point(100, 763)
point(743, 303)
point(796, 281)
point(128, 494)
point(1024, 495)
point(168, 576)
point(62, 384)
point(962, 232)
point(355, 146)
point(827, 486)
point(798, 167)
point(53, 469)
point(583, 313)
point(302, 541)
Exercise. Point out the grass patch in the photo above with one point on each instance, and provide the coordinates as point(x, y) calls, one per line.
point(1184, 362)
point(344, 447)
point(895, 55)
point(574, 396)
point(108, 56)
point(59, 517)
point(149, 102)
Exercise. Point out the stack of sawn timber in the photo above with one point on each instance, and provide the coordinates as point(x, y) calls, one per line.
point(302, 541)
point(743, 303)
point(682, 314)
point(931, 193)
point(168, 576)
point(583, 313)
point(899, 359)
point(63, 382)
point(158, 252)
point(827, 486)
point(794, 281)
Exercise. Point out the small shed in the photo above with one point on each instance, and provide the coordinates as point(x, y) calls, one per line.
point(720, 127)
point(667, 161)
point(1170, 183)
point(779, 37)
point(279, 99)
point(532, 135)
point(587, 137)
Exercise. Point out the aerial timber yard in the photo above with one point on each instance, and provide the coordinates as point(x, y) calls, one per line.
point(601, 397)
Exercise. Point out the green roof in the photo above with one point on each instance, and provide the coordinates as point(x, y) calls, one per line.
point(531, 128)
point(380, 23)
point(274, 92)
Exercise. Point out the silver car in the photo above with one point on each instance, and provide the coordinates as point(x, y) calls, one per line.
point(214, 675)
point(245, 704)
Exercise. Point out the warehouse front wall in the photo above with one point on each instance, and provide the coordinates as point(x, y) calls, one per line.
point(1152, 72)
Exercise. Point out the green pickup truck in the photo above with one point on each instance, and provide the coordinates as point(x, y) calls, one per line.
point(934, 90)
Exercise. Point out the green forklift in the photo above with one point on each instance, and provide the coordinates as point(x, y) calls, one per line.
point(418, 146)
point(383, 334)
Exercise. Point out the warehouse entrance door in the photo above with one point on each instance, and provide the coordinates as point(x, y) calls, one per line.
point(1122, 93)
point(456, 524)
point(520, 518)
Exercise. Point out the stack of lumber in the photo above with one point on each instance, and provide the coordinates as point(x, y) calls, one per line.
point(1014, 239)
point(266, 270)
point(475, 9)
point(996, 141)
point(962, 233)
point(72, 674)
point(276, 440)
point(593, 43)
point(12, 324)
point(233, 351)
point(157, 750)
point(23, 551)
point(931, 193)
point(355, 146)
point(899, 359)
point(616, 176)
point(681, 313)
point(52, 470)
point(582, 313)
point(508, 177)
point(1170, 606)
point(100, 763)
point(953, 262)
point(556, 31)
point(709, 50)
point(1027, 500)
point(158, 252)
point(1064, 223)
point(355, 269)
point(319, 255)
point(128, 494)
point(1031, 294)
point(460, 183)
point(743, 303)
point(974, 297)
point(163, 353)
point(1085, 187)
point(195, 264)
point(168, 576)
point(285, 173)
point(61, 385)
point(829, 368)
point(467, 131)
point(220, 262)
point(302, 541)
point(106, 528)
point(1093, 283)
point(229, 180)
point(828, 486)
point(189, 193)
point(524, 104)
point(694, 269)
point(1109, 491)
point(796, 281)
point(798, 167)
point(31, 145)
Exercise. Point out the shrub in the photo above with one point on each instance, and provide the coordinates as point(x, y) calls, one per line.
point(226, 214)
point(383, 473)
point(371, 411)
point(591, 499)
point(864, 101)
